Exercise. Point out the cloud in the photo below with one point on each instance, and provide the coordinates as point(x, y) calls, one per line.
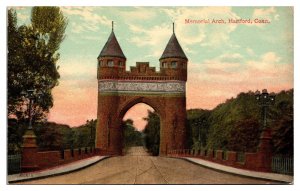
point(22, 17)
point(155, 38)
point(276, 17)
point(250, 51)
point(138, 14)
point(226, 62)
point(150, 37)
point(215, 80)
point(270, 67)
point(204, 34)
point(77, 68)
point(89, 20)
point(235, 57)
point(264, 13)
point(77, 28)
point(270, 57)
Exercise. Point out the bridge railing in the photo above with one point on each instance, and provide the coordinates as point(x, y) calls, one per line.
point(14, 163)
point(282, 165)
point(221, 156)
point(251, 161)
point(48, 159)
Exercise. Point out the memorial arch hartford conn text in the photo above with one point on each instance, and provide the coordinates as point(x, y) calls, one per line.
point(119, 90)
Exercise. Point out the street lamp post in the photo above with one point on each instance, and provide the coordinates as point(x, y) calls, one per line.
point(265, 100)
point(29, 146)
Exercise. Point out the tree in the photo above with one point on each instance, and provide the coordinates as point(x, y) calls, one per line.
point(32, 59)
point(15, 64)
point(282, 123)
point(132, 137)
point(197, 128)
point(52, 136)
point(226, 116)
point(14, 136)
point(236, 124)
point(83, 135)
point(244, 137)
point(152, 133)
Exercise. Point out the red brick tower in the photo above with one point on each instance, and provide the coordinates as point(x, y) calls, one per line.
point(119, 90)
point(111, 63)
point(173, 63)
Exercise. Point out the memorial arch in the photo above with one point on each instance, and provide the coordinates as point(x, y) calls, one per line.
point(119, 90)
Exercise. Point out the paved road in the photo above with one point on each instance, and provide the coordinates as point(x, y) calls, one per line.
point(139, 168)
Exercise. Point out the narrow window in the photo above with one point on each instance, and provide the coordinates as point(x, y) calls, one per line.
point(164, 65)
point(110, 63)
point(120, 64)
point(173, 64)
point(101, 63)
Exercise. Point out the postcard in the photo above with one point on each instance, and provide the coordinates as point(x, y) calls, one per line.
point(150, 95)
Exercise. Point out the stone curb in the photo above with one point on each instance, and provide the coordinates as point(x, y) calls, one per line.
point(254, 174)
point(59, 170)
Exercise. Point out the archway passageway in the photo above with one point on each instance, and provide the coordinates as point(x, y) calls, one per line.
point(141, 128)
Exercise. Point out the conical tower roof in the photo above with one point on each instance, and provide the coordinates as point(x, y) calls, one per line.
point(112, 47)
point(173, 49)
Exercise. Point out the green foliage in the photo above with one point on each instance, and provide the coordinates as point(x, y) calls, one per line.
point(50, 136)
point(225, 117)
point(50, 24)
point(244, 136)
point(32, 59)
point(14, 60)
point(15, 132)
point(282, 123)
point(152, 133)
point(197, 128)
point(236, 124)
point(132, 137)
point(84, 135)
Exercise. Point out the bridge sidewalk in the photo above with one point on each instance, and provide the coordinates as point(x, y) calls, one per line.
point(249, 173)
point(62, 169)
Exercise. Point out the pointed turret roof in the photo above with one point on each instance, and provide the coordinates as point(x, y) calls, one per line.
point(112, 47)
point(173, 49)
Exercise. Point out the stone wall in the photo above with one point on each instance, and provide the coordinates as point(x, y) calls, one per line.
point(47, 159)
point(258, 161)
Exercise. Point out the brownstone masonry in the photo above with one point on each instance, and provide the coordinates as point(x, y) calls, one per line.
point(119, 90)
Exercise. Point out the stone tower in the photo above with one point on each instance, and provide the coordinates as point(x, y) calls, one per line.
point(119, 90)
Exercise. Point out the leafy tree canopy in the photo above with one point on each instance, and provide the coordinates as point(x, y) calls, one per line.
point(236, 124)
point(152, 133)
point(32, 59)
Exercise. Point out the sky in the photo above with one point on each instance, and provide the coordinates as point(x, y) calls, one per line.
point(224, 58)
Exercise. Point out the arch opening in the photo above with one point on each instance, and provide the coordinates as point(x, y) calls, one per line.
point(140, 128)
